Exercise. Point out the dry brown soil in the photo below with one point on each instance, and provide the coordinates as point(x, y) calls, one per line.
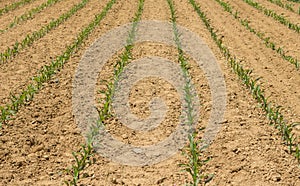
point(36, 147)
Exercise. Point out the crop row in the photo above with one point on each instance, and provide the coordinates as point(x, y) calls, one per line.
point(9, 53)
point(14, 6)
point(193, 151)
point(271, 110)
point(296, 1)
point(267, 41)
point(283, 20)
point(30, 14)
point(286, 6)
point(83, 156)
point(123, 60)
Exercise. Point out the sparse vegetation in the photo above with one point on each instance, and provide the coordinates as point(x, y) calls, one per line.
point(30, 14)
point(195, 159)
point(271, 13)
point(282, 5)
point(14, 6)
point(193, 152)
point(31, 38)
point(271, 109)
point(83, 156)
point(260, 35)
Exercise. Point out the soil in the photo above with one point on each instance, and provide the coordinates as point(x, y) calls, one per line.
point(36, 146)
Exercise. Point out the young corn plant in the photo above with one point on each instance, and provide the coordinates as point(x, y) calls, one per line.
point(283, 20)
point(14, 6)
point(31, 38)
point(272, 111)
point(193, 152)
point(268, 43)
point(83, 158)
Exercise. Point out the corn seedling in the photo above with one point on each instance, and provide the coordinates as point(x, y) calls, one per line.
point(83, 160)
point(193, 154)
point(283, 20)
point(31, 38)
point(14, 6)
point(267, 42)
point(272, 111)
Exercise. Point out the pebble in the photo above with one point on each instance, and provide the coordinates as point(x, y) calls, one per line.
point(137, 150)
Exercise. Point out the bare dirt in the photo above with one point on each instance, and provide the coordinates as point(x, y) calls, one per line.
point(36, 147)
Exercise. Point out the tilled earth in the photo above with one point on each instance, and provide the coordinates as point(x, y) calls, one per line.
point(36, 146)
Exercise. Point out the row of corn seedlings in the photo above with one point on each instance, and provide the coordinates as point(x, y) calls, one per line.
point(271, 110)
point(296, 1)
point(286, 6)
point(9, 53)
point(270, 44)
point(47, 71)
point(30, 14)
point(194, 152)
point(82, 157)
point(14, 6)
point(271, 13)
point(124, 59)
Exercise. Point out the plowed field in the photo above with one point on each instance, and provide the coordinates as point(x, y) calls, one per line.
point(38, 135)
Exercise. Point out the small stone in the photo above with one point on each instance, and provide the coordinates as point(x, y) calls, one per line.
point(236, 150)
point(46, 157)
point(276, 178)
point(242, 123)
point(137, 150)
point(161, 180)
point(37, 148)
point(224, 121)
point(114, 181)
point(51, 173)
point(55, 81)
